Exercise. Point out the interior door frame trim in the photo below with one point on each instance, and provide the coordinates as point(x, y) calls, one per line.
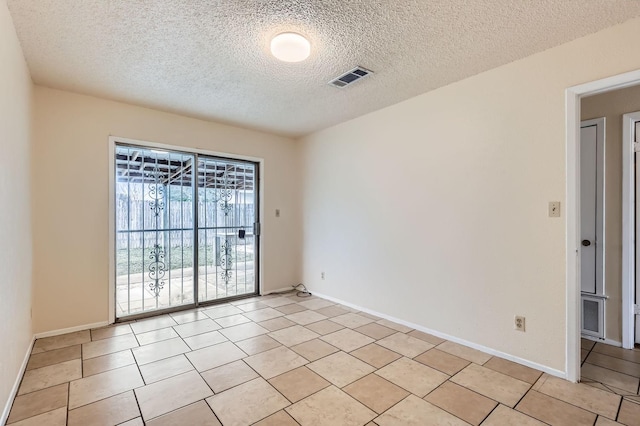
point(112, 141)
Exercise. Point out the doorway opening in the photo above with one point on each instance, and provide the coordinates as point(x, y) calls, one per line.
point(186, 230)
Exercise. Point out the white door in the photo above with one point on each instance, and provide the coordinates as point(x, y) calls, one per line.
point(591, 226)
point(634, 138)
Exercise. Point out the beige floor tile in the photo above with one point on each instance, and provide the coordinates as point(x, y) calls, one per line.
point(197, 414)
point(170, 394)
point(222, 311)
point(629, 413)
point(104, 363)
point(62, 341)
point(281, 418)
point(316, 304)
point(376, 355)
point(165, 368)
point(188, 316)
point(161, 350)
point(332, 311)
point(376, 393)
point(196, 327)
point(610, 377)
point(203, 340)
point(298, 384)
point(263, 314)
point(314, 349)
point(517, 371)
point(405, 344)
point(276, 302)
point(39, 402)
point(413, 376)
point(464, 352)
point(554, 411)
point(108, 346)
point(215, 356)
point(232, 320)
point(243, 331)
point(57, 417)
point(587, 344)
point(615, 364)
point(583, 396)
point(395, 326)
point(293, 335)
point(55, 356)
point(276, 324)
point(290, 309)
point(103, 385)
point(247, 403)
point(442, 361)
point(306, 317)
point(153, 323)
point(275, 362)
point(251, 306)
point(504, 416)
point(375, 331)
point(133, 422)
point(110, 411)
point(51, 375)
point(632, 355)
point(367, 315)
point(324, 327)
point(413, 411)
point(227, 376)
point(429, 338)
point(257, 344)
point(351, 320)
point(471, 407)
point(341, 368)
point(156, 336)
point(603, 421)
point(347, 339)
point(330, 407)
point(110, 331)
point(490, 383)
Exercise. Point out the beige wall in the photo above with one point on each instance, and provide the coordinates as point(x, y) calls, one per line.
point(613, 105)
point(15, 214)
point(434, 210)
point(71, 198)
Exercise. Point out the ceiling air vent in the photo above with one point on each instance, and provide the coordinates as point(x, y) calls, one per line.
point(349, 77)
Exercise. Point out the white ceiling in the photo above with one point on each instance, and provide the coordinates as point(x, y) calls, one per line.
point(210, 58)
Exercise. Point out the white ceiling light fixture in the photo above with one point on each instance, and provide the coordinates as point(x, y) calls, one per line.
point(290, 47)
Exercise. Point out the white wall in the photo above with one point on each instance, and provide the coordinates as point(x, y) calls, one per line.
point(613, 105)
point(71, 199)
point(434, 210)
point(15, 215)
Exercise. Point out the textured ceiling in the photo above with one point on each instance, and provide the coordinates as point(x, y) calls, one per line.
point(210, 59)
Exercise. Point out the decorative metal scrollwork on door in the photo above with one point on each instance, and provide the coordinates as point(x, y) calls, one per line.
point(157, 269)
point(226, 260)
point(156, 192)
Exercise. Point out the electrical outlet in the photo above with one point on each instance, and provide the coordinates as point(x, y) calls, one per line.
point(519, 323)
point(322, 275)
point(554, 208)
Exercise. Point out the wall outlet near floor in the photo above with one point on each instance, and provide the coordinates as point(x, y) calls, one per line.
point(322, 275)
point(518, 323)
point(554, 208)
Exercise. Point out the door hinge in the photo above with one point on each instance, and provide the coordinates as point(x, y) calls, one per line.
point(636, 146)
point(256, 229)
point(636, 309)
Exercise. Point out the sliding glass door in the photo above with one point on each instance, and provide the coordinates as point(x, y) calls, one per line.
point(174, 210)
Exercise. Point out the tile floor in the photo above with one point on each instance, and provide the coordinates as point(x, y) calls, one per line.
point(284, 360)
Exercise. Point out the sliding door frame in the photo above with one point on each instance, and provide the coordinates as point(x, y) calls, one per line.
point(259, 166)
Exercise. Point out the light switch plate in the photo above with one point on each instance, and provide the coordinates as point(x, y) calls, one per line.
point(554, 208)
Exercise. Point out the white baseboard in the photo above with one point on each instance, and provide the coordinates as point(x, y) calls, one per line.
point(71, 329)
point(485, 349)
point(605, 341)
point(16, 384)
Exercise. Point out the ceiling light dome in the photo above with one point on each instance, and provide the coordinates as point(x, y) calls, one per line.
point(290, 47)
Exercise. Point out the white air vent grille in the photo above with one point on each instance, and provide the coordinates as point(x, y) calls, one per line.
point(592, 316)
point(350, 77)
